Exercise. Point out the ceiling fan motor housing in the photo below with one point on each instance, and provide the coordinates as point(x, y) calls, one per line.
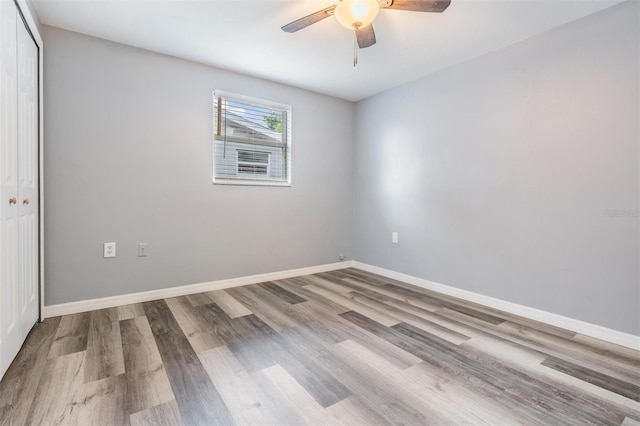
point(355, 14)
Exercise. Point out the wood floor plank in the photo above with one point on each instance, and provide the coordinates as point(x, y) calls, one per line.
point(64, 399)
point(312, 340)
point(607, 348)
point(248, 337)
point(411, 394)
point(354, 277)
point(576, 386)
point(372, 394)
point(434, 317)
point(372, 313)
point(61, 381)
point(99, 402)
point(140, 350)
point(471, 375)
point(319, 381)
point(166, 414)
point(487, 405)
point(258, 346)
point(199, 299)
point(248, 405)
point(296, 395)
point(318, 280)
point(477, 330)
point(576, 402)
point(616, 365)
point(229, 304)
point(147, 381)
point(547, 343)
point(352, 411)
point(556, 403)
point(192, 325)
point(402, 316)
point(253, 298)
point(272, 306)
point(529, 362)
point(436, 405)
point(23, 378)
point(334, 329)
point(371, 292)
point(130, 311)
point(198, 399)
point(505, 351)
point(104, 346)
point(285, 295)
point(386, 295)
point(71, 335)
point(621, 387)
point(296, 285)
point(381, 281)
point(492, 319)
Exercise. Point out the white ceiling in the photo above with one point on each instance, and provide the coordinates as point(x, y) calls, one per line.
point(245, 36)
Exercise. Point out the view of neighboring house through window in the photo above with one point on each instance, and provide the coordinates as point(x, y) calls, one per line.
point(252, 140)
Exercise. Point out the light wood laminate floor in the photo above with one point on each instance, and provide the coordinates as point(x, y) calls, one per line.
point(344, 347)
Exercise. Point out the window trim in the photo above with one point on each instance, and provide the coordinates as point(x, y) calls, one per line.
point(286, 145)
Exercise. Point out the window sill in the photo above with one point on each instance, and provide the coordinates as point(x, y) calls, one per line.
point(249, 182)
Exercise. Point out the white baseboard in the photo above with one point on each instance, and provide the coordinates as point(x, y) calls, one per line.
point(146, 296)
point(588, 329)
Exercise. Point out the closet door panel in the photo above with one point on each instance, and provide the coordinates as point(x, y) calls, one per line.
point(28, 175)
point(11, 328)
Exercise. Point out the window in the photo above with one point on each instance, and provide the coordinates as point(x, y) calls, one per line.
point(254, 163)
point(251, 141)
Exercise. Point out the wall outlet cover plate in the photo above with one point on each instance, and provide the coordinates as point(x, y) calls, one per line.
point(109, 250)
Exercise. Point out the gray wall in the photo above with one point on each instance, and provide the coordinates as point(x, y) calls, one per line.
point(128, 158)
point(497, 173)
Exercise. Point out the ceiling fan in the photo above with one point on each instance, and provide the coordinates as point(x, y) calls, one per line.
point(358, 15)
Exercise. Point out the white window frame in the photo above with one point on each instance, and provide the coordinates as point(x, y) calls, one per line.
point(287, 156)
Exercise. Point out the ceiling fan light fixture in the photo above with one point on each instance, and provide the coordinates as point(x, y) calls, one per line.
point(355, 14)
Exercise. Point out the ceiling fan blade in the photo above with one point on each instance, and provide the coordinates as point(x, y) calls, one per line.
point(301, 23)
point(437, 6)
point(366, 36)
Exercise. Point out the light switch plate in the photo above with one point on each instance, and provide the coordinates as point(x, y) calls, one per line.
point(143, 249)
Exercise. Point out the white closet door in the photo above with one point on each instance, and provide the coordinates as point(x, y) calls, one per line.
point(28, 176)
point(11, 332)
point(19, 236)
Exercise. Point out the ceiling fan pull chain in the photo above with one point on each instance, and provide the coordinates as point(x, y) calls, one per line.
point(355, 48)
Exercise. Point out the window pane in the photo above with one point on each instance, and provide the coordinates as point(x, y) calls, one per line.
point(251, 122)
point(253, 157)
point(251, 140)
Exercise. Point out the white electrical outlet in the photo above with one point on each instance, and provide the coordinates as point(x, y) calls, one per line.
point(143, 249)
point(394, 237)
point(109, 250)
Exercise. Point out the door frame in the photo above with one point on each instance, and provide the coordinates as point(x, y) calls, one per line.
point(32, 24)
